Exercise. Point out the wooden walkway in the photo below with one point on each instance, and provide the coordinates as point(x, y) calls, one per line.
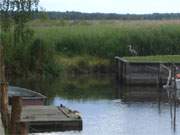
point(1, 127)
point(37, 118)
point(50, 118)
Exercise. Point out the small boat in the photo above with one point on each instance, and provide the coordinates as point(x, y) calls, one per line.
point(29, 97)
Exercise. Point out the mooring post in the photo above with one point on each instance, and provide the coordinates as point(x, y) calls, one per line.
point(175, 94)
point(119, 64)
point(119, 73)
point(158, 75)
point(121, 69)
point(16, 115)
point(2, 65)
point(159, 84)
point(23, 128)
point(125, 66)
point(4, 103)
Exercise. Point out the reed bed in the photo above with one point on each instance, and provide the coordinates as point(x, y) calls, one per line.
point(110, 38)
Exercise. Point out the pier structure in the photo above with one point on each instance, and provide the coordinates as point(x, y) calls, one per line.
point(141, 73)
point(21, 118)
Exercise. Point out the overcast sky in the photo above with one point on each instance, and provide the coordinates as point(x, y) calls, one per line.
point(113, 6)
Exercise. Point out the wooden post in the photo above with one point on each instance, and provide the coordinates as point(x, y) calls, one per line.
point(120, 68)
point(159, 86)
point(125, 80)
point(23, 128)
point(175, 98)
point(159, 82)
point(117, 70)
point(2, 66)
point(16, 115)
point(4, 103)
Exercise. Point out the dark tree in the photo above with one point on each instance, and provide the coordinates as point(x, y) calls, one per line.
point(14, 14)
point(17, 12)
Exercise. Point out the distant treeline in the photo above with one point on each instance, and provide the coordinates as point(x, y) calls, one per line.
point(110, 16)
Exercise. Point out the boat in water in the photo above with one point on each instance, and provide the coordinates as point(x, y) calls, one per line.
point(29, 97)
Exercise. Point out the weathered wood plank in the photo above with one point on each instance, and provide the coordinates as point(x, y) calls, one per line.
point(50, 118)
point(45, 113)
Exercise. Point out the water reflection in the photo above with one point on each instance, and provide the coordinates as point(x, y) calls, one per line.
point(108, 108)
point(84, 87)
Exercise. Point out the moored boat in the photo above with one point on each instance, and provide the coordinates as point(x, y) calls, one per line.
point(29, 97)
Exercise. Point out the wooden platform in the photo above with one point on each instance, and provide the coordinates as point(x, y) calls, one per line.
point(49, 118)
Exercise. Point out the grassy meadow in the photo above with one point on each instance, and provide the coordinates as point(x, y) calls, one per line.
point(90, 46)
point(109, 38)
point(80, 43)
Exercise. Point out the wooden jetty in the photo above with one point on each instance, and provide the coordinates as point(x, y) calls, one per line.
point(154, 74)
point(140, 73)
point(27, 112)
point(39, 119)
point(20, 118)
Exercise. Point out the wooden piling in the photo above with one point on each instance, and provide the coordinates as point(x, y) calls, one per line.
point(121, 69)
point(23, 128)
point(175, 97)
point(4, 103)
point(16, 115)
point(159, 84)
point(118, 68)
point(2, 66)
point(159, 76)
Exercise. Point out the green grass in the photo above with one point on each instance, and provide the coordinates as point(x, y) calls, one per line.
point(110, 38)
point(157, 58)
point(92, 45)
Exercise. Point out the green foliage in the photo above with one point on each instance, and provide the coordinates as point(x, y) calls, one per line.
point(42, 59)
point(108, 39)
point(35, 59)
point(98, 40)
point(24, 55)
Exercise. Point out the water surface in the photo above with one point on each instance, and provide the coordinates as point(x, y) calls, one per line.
point(108, 109)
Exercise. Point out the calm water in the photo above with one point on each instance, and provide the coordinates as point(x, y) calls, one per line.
point(106, 110)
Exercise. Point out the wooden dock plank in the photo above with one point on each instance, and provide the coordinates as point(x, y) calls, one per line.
point(42, 113)
point(41, 119)
point(50, 118)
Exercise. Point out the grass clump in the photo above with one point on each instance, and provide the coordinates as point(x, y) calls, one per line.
point(157, 58)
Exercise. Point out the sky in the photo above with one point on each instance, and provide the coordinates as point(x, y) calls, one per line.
point(113, 6)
